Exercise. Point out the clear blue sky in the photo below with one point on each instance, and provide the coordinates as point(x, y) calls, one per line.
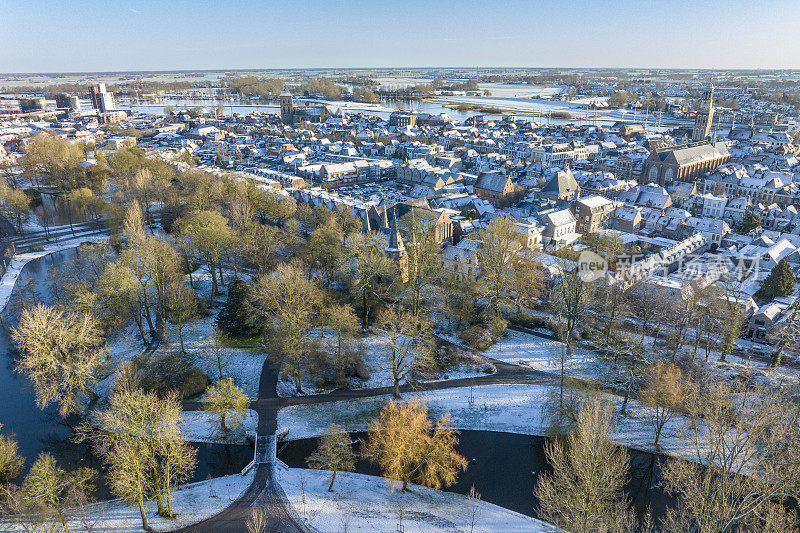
point(111, 35)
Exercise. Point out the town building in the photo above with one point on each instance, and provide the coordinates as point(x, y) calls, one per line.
point(101, 99)
point(314, 114)
point(592, 213)
point(684, 163)
point(562, 186)
point(495, 188)
point(704, 117)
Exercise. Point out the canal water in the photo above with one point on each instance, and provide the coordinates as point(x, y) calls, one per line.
point(37, 430)
point(504, 467)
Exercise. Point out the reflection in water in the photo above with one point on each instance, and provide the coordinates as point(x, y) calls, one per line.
point(503, 468)
point(39, 430)
point(35, 429)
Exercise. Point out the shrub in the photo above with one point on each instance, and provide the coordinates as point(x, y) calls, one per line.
point(170, 372)
point(497, 326)
point(476, 336)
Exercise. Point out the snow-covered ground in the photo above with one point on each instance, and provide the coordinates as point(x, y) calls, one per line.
point(544, 354)
point(504, 408)
point(375, 354)
point(201, 426)
point(538, 106)
point(351, 106)
point(20, 260)
point(242, 364)
point(361, 503)
point(191, 504)
point(32, 223)
point(527, 105)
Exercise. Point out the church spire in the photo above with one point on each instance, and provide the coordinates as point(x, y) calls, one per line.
point(385, 221)
point(367, 228)
point(396, 245)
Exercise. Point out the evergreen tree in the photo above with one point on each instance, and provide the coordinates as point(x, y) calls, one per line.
point(780, 281)
point(750, 221)
point(235, 317)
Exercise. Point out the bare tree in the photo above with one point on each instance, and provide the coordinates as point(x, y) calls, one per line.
point(527, 281)
point(140, 438)
point(786, 337)
point(410, 448)
point(498, 245)
point(257, 521)
point(732, 319)
point(181, 307)
point(345, 325)
point(334, 453)
point(228, 403)
point(11, 461)
point(572, 300)
point(422, 247)
point(216, 353)
point(584, 492)
point(372, 272)
point(474, 499)
point(407, 344)
point(663, 395)
point(50, 484)
point(325, 250)
point(60, 353)
point(642, 300)
point(750, 436)
point(210, 236)
point(32, 516)
point(288, 298)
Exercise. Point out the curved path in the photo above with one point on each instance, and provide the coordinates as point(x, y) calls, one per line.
point(266, 493)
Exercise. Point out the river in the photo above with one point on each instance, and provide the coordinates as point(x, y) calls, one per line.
point(503, 468)
point(37, 430)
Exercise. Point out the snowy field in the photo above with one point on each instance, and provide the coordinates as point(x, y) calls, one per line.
point(503, 408)
point(201, 426)
point(191, 504)
point(545, 355)
point(361, 503)
point(20, 260)
point(349, 107)
point(526, 105)
point(537, 105)
point(242, 364)
point(375, 355)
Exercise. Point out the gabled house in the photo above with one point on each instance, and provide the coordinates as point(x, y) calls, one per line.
point(497, 189)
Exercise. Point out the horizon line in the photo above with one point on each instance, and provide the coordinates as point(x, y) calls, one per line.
point(421, 68)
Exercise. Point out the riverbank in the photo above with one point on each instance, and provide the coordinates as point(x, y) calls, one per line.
point(19, 261)
point(361, 503)
point(191, 504)
point(504, 408)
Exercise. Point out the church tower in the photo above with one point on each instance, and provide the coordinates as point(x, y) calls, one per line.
point(395, 248)
point(704, 117)
point(287, 107)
